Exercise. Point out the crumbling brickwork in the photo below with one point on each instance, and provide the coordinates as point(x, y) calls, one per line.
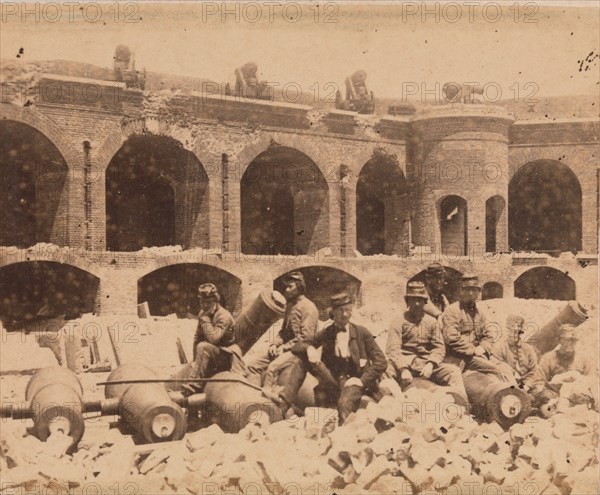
point(468, 151)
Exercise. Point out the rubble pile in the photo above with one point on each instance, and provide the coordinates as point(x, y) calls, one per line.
point(412, 442)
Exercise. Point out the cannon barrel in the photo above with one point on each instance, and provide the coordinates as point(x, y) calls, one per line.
point(233, 405)
point(493, 400)
point(146, 408)
point(54, 397)
point(266, 309)
point(546, 338)
point(425, 384)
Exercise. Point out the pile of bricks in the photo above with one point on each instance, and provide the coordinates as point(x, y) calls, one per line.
point(416, 441)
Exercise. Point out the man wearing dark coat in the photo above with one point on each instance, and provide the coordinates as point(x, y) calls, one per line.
point(345, 359)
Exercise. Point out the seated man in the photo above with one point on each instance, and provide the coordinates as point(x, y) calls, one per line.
point(467, 333)
point(415, 346)
point(562, 361)
point(278, 365)
point(435, 282)
point(214, 343)
point(350, 362)
point(519, 357)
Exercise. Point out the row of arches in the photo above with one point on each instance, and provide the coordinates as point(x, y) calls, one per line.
point(33, 291)
point(156, 194)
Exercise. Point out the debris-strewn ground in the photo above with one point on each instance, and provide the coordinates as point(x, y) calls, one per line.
point(414, 442)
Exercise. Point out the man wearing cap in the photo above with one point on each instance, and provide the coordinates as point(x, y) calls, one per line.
point(299, 323)
point(519, 357)
point(345, 359)
point(562, 360)
point(467, 333)
point(435, 280)
point(214, 343)
point(415, 346)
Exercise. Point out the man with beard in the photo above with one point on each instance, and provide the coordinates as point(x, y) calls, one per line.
point(415, 346)
point(467, 333)
point(561, 362)
point(435, 281)
point(278, 370)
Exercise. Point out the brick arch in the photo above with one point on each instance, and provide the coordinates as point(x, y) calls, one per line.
point(545, 282)
point(322, 283)
point(172, 288)
point(54, 256)
point(247, 155)
point(519, 157)
point(184, 257)
point(152, 127)
point(31, 117)
point(381, 205)
point(456, 237)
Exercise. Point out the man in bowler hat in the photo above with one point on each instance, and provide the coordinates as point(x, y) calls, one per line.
point(345, 359)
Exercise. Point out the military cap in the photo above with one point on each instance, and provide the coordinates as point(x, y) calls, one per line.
point(416, 289)
point(293, 277)
point(469, 280)
point(435, 269)
point(208, 291)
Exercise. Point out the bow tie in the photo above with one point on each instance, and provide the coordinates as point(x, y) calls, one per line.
point(341, 329)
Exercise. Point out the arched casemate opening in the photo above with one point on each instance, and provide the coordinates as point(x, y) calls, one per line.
point(544, 208)
point(156, 195)
point(494, 210)
point(543, 282)
point(453, 226)
point(452, 281)
point(33, 194)
point(174, 289)
point(492, 290)
point(322, 282)
point(36, 291)
point(381, 223)
point(284, 204)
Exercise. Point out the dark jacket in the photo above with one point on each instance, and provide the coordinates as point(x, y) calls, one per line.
point(367, 360)
point(216, 329)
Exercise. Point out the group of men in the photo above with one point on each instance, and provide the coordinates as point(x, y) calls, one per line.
point(431, 339)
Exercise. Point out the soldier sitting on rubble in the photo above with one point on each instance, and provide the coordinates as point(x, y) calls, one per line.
point(278, 365)
point(415, 346)
point(345, 359)
point(468, 334)
point(214, 343)
point(435, 281)
point(518, 357)
point(558, 367)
